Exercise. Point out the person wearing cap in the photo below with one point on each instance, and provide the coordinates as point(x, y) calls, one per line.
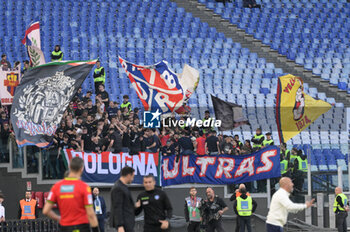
point(125, 104)
point(268, 141)
point(258, 140)
point(57, 54)
point(28, 208)
point(99, 76)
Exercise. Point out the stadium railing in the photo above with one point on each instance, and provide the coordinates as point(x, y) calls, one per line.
point(36, 225)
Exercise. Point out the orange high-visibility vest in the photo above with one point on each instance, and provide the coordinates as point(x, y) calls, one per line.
point(28, 209)
point(238, 194)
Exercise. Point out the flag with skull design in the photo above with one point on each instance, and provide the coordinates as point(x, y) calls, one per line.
point(42, 98)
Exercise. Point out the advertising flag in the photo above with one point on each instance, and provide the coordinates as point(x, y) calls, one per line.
point(160, 88)
point(295, 110)
point(9, 80)
point(42, 97)
point(230, 114)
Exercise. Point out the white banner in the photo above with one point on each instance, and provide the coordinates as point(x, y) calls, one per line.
point(9, 80)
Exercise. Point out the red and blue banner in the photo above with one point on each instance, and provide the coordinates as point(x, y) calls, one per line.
point(157, 86)
point(216, 170)
point(106, 167)
point(222, 169)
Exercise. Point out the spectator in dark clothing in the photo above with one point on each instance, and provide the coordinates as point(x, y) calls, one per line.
point(115, 144)
point(5, 61)
point(247, 148)
point(169, 148)
point(104, 94)
point(112, 109)
point(185, 144)
point(86, 141)
point(26, 67)
point(92, 110)
point(122, 204)
point(151, 141)
point(212, 144)
point(4, 135)
point(79, 94)
point(87, 97)
point(250, 4)
point(226, 147)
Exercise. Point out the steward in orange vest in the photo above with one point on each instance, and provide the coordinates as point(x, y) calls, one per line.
point(27, 208)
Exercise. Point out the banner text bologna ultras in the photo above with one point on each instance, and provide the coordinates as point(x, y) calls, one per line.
point(220, 170)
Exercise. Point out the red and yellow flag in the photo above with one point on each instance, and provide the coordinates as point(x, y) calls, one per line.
point(295, 110)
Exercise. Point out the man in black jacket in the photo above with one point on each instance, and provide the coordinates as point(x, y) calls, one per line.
point(156, 205)
point(122, 207)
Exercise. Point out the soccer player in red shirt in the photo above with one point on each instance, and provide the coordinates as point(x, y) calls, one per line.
point(74, 201)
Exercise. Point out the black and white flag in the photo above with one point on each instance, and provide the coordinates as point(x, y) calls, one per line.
point(42, 97)
point(230, 114)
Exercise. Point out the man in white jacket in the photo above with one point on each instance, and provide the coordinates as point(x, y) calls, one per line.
point(281, 205)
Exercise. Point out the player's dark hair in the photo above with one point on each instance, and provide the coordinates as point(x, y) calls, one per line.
point(127, 171)
point(76, 164)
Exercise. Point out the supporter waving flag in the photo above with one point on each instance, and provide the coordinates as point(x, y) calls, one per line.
point(295, 110)
point(42, 97)
point(158, 87)
point(33, 43)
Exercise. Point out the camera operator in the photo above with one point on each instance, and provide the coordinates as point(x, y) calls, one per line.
point(212, 210)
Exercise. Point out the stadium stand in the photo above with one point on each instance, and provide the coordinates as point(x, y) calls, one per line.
point(312, 33)
point(145, 32)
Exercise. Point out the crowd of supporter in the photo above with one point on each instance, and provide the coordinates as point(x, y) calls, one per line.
point(98, 125)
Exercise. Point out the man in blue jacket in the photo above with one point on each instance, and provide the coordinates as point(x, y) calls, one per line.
point(100, 208)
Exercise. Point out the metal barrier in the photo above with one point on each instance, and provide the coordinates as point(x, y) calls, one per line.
point(36, 225)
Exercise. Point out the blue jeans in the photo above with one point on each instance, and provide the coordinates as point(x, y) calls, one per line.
point(273, 228)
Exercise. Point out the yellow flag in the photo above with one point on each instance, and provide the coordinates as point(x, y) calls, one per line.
point(295, 110)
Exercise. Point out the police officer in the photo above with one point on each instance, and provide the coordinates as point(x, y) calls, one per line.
point(284, 151)
point(234, 198)
point(340, 208)
point(258, 140)
point(156, 205)
point(28, 208)
point(285, 166)
point(125, 104)
point(212, 210)
point(99, 76)
point(300, 170)
point(75, 201)
point(268, 141)
point(192, 213)
point(244, 206)
point(57, 54)
point(293, 155)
